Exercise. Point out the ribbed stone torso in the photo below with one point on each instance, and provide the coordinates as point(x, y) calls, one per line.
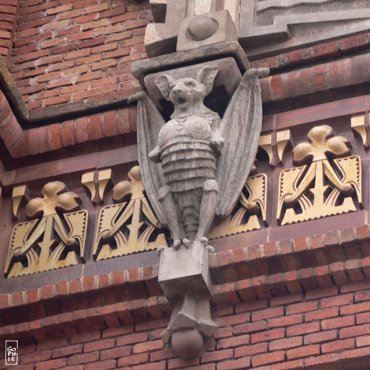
point(187, 157)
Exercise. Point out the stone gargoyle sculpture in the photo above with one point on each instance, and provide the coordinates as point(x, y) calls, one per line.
point(195, 166)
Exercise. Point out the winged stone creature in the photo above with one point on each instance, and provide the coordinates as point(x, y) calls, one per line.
point(195, 165)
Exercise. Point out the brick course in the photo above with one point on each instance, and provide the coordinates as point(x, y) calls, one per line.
point(274, 310)
point(139, 345)
point(70, 49)
point(8, 20)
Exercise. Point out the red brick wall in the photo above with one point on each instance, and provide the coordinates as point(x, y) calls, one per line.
point(8, 13)
point(69, 51)
point(323, 329)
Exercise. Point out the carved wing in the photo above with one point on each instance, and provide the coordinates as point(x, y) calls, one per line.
point(240, 127)
point(149, 122)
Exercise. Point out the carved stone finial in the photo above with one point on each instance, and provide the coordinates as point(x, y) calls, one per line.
point(183, 25)
point(187, 343)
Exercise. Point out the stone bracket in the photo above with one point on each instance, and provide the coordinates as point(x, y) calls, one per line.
point(220, 50)
point(185, 279)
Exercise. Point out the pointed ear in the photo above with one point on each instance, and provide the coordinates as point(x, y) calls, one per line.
point(163, 82)
point(206, 76)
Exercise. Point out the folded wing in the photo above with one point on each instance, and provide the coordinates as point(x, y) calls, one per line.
point(240, 128)
point(149, 122)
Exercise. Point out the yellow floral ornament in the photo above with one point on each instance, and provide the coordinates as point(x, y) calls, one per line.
point(129, 226)
point(326, 185)
point(321, 142)
point(51, 240)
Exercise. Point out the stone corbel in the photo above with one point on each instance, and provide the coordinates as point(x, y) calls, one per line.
point(184, 278)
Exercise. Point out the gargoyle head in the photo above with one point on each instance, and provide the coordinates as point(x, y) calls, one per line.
point(186, 92)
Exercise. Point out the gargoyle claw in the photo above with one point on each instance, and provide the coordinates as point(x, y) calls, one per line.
point(204, 241)
point(176, 244)
point(187, 243)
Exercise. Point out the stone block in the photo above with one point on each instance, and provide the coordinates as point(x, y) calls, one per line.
point(143, 67)
point(184, 271)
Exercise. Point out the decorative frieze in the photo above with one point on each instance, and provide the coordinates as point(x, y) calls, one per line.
point(250, 211)
point(96, 183)
point(361, 128)
point(20, 195)
point(325, 185)
point(55, 236)
point(275, 144)
point(88, 181)
point(266, 144)
point(129, 226)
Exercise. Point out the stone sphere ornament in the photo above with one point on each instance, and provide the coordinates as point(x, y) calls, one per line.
point(201, 27)
point(187, 343)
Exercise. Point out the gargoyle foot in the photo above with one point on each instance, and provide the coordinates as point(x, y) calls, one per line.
point(187, 243)
point(204, 241)
point(160, 250)
point(176, 244)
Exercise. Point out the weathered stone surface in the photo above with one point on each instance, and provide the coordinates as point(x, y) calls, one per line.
point(190, 324)
point(160, 37)
point(192, 168)
point(184, 271)
point(204, 30)
point(227, 79)
point(165, 62)
point(292, 24)
point(159, 9)
point(201, 27)
point(187, 343)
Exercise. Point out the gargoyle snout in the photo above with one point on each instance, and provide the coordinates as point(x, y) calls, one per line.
point(177, 90)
